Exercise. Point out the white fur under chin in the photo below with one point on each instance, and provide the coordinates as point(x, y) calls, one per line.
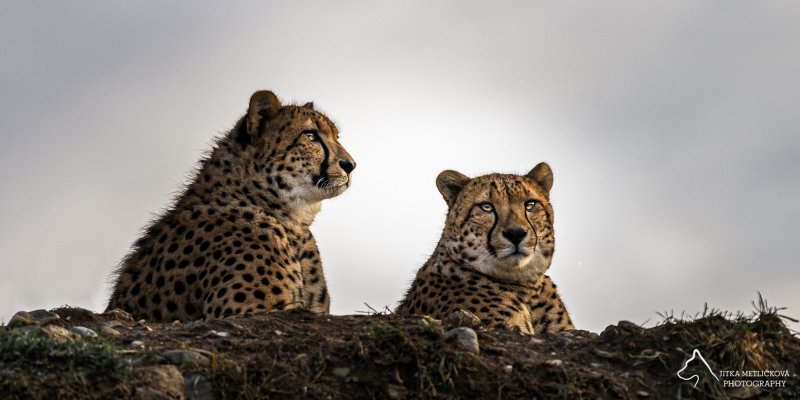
point(527, 269)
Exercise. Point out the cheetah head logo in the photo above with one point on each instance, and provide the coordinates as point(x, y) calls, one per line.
point(695, 356)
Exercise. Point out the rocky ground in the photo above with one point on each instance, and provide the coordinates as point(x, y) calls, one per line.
point(74, 353)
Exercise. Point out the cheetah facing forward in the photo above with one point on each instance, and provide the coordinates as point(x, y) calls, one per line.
point(237, 240)
point(496, 245)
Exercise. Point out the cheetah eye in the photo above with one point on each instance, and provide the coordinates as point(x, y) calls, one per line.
point(530, 205)
point(312, 135)
point(486, 207)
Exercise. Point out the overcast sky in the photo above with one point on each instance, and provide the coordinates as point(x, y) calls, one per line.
point(672, 128)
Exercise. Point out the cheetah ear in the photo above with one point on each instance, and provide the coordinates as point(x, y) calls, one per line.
point(263, 106)
point(542, 175)
point(309, 105)
point(450, 184)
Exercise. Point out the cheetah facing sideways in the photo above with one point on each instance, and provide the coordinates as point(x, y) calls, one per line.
point(237, 240)
point(492, 257)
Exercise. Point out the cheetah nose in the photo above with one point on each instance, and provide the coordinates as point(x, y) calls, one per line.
point(515, 235)
point(347, 165)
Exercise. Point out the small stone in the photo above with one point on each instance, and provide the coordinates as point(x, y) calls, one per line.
point(186, 358)
point(466, 337)
point(429, 321)
point(118, 314)
point(279, 333)
point(341, 372)
point(83, 331)
point(629, 327)
point(137, 344)
point(197, 387)
point(109, 331)
point(57, 333)
point(554, 363)
point(508, 369)
point(595, 365)
point(166, 379)
point(642, 393)
point(462, 318)
point(213, 333)
point(606, 354)
point(535, 341)
point(395, 392)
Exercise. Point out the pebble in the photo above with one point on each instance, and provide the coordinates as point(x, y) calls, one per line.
point(197, 387)
point(606, 354)
point(57, 333)
point(186, 358)
point(554, 363)
point(466, 337)
point(166, 379)
point(83, 331)
point(642, 393)
point(118, 315)
point(508, 369)
point(535, 341)
point(109, 331)
point(213, 333)
point(137, 344)
point(463, 318)
point(628, 326)
point(341, 372)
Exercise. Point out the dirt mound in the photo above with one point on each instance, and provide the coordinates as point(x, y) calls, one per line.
point(73, 353)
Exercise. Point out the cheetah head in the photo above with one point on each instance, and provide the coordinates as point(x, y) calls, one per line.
point(500, 225)
point(293, 151)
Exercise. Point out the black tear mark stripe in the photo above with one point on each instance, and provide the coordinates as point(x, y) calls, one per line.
point(323, 166)
point(489, 236)
point(533, 229)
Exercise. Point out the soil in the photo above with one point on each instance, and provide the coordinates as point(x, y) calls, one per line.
point(300, 355)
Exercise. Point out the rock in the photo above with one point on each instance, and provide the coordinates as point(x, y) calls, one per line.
point(165, 379)
point(466, 337)
point(396, 392)
point(213, 333)
point(508, 369)
point(57, 333)
point(535, 341)
point(109, 331)
point(36, 317)
point(607, 354)
point(610, 332)
point(137, 344)
point(628, 327)
point(341, 372)
point(83, 331)
point(197, 387)
point(118, 314)
point(429, 321)
point(186, 358)
point(554, 363)
point(463, 318)
point(642, 393)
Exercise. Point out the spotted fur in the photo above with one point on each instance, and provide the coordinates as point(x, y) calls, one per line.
point(492, 257)
point(237, 239)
